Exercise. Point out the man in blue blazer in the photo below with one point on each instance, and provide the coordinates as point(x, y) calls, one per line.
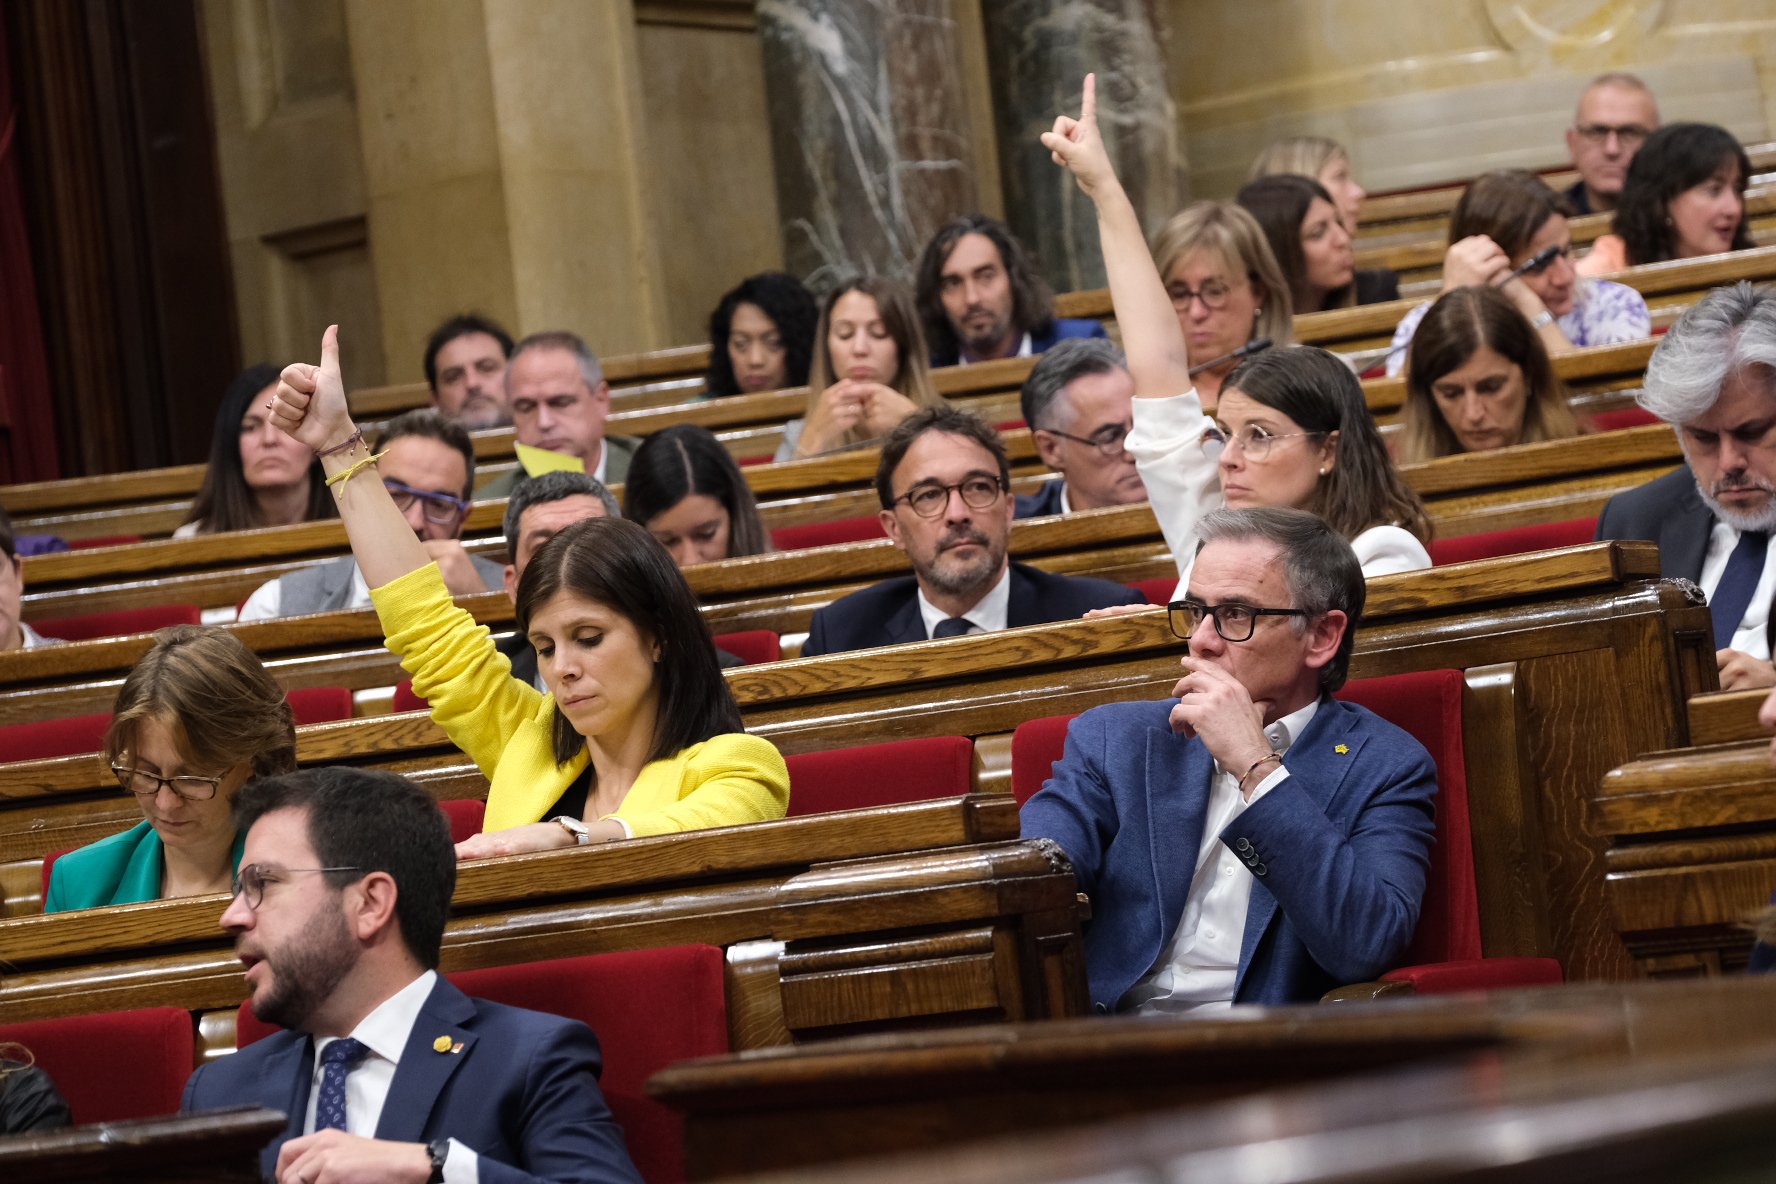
point(386, 1071)
point(1079, 402)
point(944, 483)
point(981, 296)
point(1252, 840)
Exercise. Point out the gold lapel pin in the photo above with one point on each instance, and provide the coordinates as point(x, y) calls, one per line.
point(1342, 750)
point(442, 1044)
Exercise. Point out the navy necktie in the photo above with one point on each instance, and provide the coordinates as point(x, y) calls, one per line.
point(337, 1060)
point(952, 627)
point(1732, 596)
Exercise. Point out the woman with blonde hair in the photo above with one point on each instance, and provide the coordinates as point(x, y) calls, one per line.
point(870, 370)
point(1479, 378)
point(1326, 161)
point(1224, 283)
point(197, 718)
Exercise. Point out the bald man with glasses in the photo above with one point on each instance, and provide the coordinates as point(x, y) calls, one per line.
point(944, 483)
point(1252, 840)
point(1615, 116)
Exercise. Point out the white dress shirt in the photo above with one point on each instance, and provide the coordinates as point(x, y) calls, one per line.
point(988, 614)
point(1752, 636)
point(1199, 967)
point(384, 1032)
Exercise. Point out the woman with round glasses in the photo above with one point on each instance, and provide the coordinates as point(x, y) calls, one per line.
point(870, 370)
point(1291, 427)
point(1224, 286)
point(1684, 197)
point(195, 719)
point(638, 733)
point(1509, 231)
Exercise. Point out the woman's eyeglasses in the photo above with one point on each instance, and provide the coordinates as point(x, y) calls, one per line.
point(144, 784)
point(1253, 441)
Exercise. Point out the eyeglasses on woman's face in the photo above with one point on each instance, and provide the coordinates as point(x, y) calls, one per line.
point(144, 784)
point(1253, 441)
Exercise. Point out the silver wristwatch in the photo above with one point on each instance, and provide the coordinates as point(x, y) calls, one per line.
point(582, 834)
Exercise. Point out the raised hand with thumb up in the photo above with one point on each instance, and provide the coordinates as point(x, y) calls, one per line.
point(309, 404)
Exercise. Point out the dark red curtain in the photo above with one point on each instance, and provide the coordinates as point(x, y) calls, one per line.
point(27, 421)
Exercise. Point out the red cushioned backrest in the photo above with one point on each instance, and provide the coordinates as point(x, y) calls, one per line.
point(406, 700)
point(1518, 541)
point(466, 816)
point(117, 624)
point(880, 774)
point(1428, 706)
point(320, 705)
point(1035, 747)
point(751, 646)
point(49, 866)
point(824, 534)
point(53, 737)
point(650, 1009)
point(1157, 591)
point(107, 540)
point(116, 1065)
point(1625, 417)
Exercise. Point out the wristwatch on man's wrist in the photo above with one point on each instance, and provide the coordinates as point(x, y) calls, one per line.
point(439, 1150)
point(582, 834)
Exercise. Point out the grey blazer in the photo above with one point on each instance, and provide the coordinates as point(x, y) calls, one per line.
point(326, 587)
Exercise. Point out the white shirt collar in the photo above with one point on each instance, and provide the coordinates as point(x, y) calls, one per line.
point(386, 1029)
point(1066, 502)
point(988, 614)
point(1283, 732)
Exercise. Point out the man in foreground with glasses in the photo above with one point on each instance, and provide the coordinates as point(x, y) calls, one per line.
point(430, 470)
point(1077, 402)
point(944, 482)
point(1616, 114)
point(1252, 840)
point(387, 1072)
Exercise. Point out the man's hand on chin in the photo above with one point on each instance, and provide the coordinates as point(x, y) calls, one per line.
point(334, 1157)
point(1739, 671)
point(1214, 705)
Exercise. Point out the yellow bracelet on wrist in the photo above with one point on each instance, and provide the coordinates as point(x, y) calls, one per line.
point(346, 474)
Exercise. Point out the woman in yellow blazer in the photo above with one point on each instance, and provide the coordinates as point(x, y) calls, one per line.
point(639, 734)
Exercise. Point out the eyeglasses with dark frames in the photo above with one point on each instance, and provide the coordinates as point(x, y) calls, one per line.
point(1213, 295)
point(144, 784)
point(440, 508)
point(928, 501)
point(1107, 439)
point(1234, 622)
point(1629, 135)
point(250, 881)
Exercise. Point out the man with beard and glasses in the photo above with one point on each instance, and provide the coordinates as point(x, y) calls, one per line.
point(981, 296)
point(1713, 378)
point(387, 1072)
point(945, 486)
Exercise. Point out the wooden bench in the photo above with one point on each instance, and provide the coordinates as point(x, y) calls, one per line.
point(1538, 636)
point(901, 916)
point(212, 1148)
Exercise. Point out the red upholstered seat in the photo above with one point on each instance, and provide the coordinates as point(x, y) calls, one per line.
point(650, 1008)
point(825, 534)
point(49, 865)
point(1157, 591)
point(120, 623)
point(1517, 541)
point(466, 816)
point(320, 705)
point(53, 737)
point(1428, 706)
point(1625, 417)
point(115, 1065)
point(108, 540)
point(751, 646)
point(406, 700)
point(1035, 747)
point(880, 774)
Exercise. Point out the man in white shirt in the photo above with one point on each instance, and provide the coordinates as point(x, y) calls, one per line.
point(387, 1072)
point(429, 467)
point(1713, 378)
point(1252, 840)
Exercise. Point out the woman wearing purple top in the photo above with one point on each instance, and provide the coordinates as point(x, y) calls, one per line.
point(1499, 230)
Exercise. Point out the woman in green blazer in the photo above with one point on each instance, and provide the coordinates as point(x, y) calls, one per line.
point(197, 717)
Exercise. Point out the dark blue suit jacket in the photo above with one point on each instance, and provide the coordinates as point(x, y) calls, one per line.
point(1338, 851)
point(888, 613)
point(1045, 501)
point(1042, 338)
point(523, 1092)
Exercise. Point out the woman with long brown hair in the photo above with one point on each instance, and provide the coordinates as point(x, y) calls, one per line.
point(256, 476)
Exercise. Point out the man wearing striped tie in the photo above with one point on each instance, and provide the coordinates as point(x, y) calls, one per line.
point(1713, 378)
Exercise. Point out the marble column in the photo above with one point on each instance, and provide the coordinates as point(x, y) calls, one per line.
point(1039, 52)
point(868, 130)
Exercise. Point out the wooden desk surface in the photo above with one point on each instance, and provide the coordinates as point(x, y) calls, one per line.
point(222, 1145)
